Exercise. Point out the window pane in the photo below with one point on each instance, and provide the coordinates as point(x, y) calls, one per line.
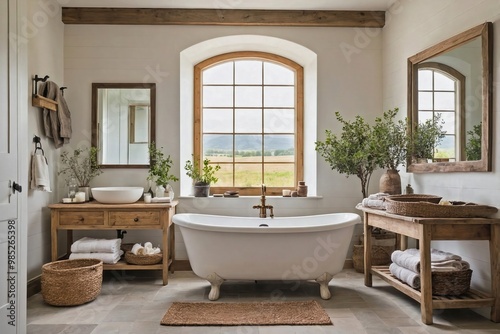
point(217, 96)
point(446, 149)
point(423, 116)
point(279, 120)
point(278, 145)
point(217, 145)
point(217, 120)
point(279, 96)
point(444, 101)
point(248, 120)
point(248, 72)
point(248, 175)
point(248, 96)
point(442, 82)
point(225, 174)
point(424, 101)
point(219, 74)
point(248, 146)
point(424, 80)
point(275, 74)
point(279, 175)
point(449, 122)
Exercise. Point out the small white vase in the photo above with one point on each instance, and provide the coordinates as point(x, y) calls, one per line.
point(160, 191)
point(169, 191)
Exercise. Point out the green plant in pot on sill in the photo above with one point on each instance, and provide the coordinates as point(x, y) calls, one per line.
point(203, 176)
point(473, 146)
point(159, 170)
point(425, 138)
point(351, 152)
point(390, 140)
point(81, 166)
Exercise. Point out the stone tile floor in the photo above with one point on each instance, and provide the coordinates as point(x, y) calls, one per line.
point(132, 303)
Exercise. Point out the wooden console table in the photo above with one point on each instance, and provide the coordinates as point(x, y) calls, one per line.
point(98, 216)
point(425, 230)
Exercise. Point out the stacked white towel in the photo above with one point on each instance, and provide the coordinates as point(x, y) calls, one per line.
point(40, 177)
point(406, 264)
point(107, 250)
point(375, 201)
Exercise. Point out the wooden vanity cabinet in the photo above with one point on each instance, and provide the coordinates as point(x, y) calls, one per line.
point(98, 216)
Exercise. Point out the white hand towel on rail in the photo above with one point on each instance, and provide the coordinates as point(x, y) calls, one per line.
point(409, 277)
point(91, 245)
point(40, 177)
point(110, 258)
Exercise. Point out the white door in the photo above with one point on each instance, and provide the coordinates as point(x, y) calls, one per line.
point(11, 305)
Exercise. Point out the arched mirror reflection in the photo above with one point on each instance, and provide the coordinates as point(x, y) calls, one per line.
point(123, 123)
point(452, 81)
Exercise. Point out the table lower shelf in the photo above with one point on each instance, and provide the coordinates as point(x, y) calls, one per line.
point(471, 299)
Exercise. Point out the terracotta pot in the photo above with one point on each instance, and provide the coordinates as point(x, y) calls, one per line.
point(390, 182)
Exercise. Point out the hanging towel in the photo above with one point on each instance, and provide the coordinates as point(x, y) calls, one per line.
point(110, 258)
point(409, 277)
point(91, 245)
point(57, 124)
point(40, 177)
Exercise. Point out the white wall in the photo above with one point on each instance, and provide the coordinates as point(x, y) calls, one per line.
point(43, 31)
point(349, 80)
point(413, 26)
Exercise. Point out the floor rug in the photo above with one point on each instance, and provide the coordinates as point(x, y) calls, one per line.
point(252, 313)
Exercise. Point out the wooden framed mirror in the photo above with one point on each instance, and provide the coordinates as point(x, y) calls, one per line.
point(123, 123)
point(454, 79)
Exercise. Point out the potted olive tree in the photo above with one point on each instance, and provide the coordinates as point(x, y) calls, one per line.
point(351, 152)
point(80, 167)
point(202, 176)
point(424, 139)
point(159, 171)
point(390, 147)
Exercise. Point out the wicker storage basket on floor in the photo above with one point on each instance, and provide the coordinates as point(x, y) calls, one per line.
point(451, 283)
point(71, 282)
point(381, 255)
point(131, 258)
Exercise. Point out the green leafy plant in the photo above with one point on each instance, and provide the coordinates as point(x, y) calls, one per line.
point(390, 140)
point(425, 137)
point(351, 152)
point(473, 146)
point(81, 165)
point(159, 166)
point(205, 174)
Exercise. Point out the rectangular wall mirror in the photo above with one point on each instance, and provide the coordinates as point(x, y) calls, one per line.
point(123, 123)
point(453, 79)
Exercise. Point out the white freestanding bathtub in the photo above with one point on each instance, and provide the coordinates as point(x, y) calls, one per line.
point(285, 248)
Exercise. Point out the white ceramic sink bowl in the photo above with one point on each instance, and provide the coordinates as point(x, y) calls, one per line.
point(117, 195)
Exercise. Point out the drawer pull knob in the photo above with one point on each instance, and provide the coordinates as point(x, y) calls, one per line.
point(136, 219)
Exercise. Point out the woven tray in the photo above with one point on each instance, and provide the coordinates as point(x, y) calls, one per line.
point(451, 283)
point(415, 207)
point(71, 282)
point(131, 258)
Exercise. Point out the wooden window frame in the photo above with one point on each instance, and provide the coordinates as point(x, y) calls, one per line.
point(299, 114)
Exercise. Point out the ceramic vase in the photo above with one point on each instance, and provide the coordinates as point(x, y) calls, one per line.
point(390, 182)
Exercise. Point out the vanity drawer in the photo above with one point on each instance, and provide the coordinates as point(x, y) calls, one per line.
point(78, 218)
point(134, 218)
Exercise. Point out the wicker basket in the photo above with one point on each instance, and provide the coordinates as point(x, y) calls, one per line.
point(427, 207)
point(451, 283)
point(381, 255)
point(131, 258)
point(71, 282)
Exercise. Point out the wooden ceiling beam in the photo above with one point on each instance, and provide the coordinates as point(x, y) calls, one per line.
point(228, 17)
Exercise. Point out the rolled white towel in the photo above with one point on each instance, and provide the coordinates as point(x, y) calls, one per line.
point(436, 255)
point(91, 245)
point(409, 277)
point(406, 260)
point(378, 196)
point(373, 203)
point(135, 249)
point(110, 258)
point(452, 265)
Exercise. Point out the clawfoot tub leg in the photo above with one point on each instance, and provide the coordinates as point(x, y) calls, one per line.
point(216, 281)
point(323, 281)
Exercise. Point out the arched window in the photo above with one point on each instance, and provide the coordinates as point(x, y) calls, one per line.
point(441, 90)
point(249, 119)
